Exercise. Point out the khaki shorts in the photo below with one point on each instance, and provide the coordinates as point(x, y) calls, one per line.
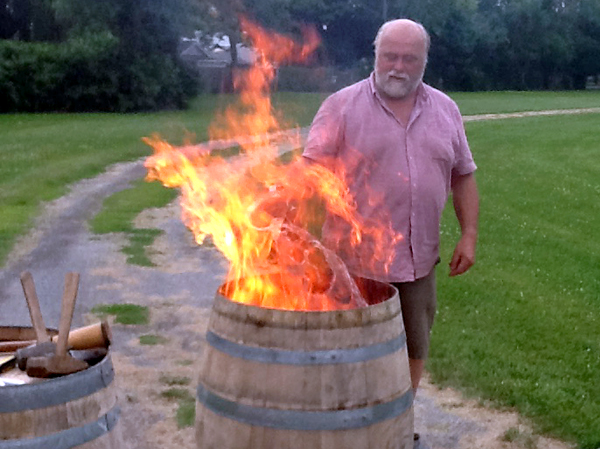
point(418, 301)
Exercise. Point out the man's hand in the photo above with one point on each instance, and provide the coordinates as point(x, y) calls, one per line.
point(466, 206)
point(464, 255)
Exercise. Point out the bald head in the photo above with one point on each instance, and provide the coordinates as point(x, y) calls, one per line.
point(401, 48)
point(406, 27)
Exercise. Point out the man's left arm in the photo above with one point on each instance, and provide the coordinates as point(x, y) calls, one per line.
point(466, 205)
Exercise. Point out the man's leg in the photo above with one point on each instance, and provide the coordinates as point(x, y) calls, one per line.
point(418, 300)
point(416, 367)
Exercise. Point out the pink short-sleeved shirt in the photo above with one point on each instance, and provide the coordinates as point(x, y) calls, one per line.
point(395, 173)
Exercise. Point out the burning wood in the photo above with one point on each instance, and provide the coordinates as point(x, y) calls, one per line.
point(298, 263)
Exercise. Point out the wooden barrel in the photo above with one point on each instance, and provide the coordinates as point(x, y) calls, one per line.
point(79, 410)
point(296, 380)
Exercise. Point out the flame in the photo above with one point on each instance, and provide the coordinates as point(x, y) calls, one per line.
point(257, 210)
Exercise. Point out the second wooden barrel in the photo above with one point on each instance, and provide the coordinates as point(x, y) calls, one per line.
point(79, 410)
point(292, 379)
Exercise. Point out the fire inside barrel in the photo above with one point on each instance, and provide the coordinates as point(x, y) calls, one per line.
point(256, 209)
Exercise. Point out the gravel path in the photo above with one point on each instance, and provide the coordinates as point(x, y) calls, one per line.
point(179, 292)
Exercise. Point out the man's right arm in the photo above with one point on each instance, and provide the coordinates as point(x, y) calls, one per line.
point(466, 205)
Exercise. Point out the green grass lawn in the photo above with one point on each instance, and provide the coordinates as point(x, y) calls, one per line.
point(471, 103)
point(523, 327)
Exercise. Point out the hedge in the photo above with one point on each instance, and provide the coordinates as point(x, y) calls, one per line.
point(88, 74)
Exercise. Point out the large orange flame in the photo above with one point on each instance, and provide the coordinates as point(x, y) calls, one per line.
point(256, 209)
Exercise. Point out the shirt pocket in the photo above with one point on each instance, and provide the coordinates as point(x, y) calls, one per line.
point(440, 153)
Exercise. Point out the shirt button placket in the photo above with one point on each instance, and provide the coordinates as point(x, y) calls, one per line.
point(412, 172)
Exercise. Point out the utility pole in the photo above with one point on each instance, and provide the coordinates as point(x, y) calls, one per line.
point(385, 10)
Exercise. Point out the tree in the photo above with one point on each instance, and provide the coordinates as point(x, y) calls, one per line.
point(28, 21)
point(333, 19)
point(146, 61)
point(111, 54)
point(8, 25)
point(586, 41)
point(21, 12)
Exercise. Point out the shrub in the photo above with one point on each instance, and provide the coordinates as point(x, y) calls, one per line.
point(89, 73)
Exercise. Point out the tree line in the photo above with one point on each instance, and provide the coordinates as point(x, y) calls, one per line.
point(476, 44)
point(122, 55)
point(101, 55)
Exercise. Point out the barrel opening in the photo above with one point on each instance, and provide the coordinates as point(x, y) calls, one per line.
point(374, 292)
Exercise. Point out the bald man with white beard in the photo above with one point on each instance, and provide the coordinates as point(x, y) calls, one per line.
point(402, 149)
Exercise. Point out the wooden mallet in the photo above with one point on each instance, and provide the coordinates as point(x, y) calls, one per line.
point(61, 363)
point(44, 345)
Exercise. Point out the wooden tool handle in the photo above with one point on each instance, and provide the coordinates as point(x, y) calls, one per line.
point(92, 336)
point(33, 305)
point(66, 312)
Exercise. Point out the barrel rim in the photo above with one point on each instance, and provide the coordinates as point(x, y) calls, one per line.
point(59, 390)
point(309, 319)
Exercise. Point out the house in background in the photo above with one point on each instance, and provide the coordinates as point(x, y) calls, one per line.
point(210, 57)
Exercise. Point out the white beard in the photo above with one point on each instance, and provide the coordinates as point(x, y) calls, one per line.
point(396, 84)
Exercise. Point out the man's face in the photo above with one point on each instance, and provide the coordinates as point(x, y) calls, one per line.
point(400, 60)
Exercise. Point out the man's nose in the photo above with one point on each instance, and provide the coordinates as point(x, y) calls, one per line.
point(399, 65)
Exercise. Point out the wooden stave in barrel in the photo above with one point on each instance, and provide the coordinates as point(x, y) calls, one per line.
point(79, 410)
point(251, 396)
